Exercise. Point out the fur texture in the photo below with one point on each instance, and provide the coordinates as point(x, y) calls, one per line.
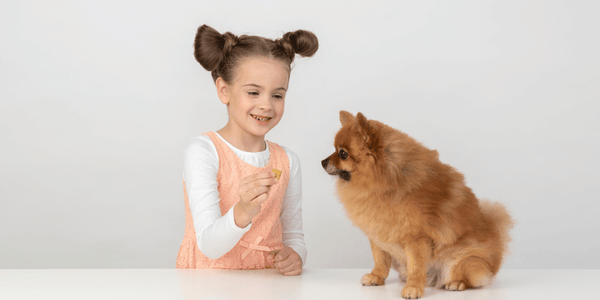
point(417, 212)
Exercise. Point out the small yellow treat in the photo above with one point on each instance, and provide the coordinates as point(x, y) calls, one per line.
point(277, 173)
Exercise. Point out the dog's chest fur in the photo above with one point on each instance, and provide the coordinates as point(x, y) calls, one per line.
point(387, 220)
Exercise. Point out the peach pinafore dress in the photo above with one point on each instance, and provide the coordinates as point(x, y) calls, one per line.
point(265, 234)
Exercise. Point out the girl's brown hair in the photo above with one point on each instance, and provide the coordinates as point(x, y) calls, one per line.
point(221, 53)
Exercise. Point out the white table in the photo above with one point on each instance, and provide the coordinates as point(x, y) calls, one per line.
point(313, 284)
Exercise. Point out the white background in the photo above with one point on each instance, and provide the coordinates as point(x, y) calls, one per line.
point(99, 98)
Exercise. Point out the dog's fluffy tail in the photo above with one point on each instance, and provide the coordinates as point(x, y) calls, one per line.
point(501, 220)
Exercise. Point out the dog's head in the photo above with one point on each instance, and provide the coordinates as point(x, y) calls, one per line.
point(356, 147)
point(372, 153)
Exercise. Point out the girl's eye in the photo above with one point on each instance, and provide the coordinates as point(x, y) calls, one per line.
point(253, 93)
point(278, 96)
point(343, 154)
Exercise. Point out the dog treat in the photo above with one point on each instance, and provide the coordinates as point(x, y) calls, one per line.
point(277, 173)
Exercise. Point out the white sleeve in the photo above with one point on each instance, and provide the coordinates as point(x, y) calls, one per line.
point(216, 234)
point(291, 210)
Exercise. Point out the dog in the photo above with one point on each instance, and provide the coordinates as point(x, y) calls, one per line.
point(418, 213)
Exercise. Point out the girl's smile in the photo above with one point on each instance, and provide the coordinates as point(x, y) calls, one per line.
point(261, 119)
point(255, 100)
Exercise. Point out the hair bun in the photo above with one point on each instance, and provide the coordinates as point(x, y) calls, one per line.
point(211, 47)
point(229, 41)
point(302, 42)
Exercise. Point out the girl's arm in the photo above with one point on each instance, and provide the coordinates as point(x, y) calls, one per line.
point(291, 210)
point(215, 234)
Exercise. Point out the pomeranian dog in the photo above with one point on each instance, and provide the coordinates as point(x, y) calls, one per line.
point(417, 212)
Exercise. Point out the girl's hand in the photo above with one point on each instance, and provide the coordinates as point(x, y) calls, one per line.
point(253, 191)
point(287, 261)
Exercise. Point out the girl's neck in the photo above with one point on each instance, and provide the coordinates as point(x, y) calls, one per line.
point(242, 140)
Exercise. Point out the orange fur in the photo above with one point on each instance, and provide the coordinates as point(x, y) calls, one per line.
point(417, 212)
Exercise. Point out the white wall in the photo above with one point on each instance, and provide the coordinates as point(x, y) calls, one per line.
point(99, 98)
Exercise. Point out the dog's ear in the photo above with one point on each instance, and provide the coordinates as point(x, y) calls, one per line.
point(346, 117)
point(361, 120)
point(363, 126)
point(367, 132)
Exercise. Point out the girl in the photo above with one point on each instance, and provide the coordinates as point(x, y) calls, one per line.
point(238, 214)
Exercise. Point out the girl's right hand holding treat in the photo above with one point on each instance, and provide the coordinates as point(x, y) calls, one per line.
point(253, 191)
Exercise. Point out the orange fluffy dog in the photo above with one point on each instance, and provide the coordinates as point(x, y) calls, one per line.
point(418, 213)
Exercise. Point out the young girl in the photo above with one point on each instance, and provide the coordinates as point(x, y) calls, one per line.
point(238, 214)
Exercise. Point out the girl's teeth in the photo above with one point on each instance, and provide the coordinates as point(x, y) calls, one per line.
point(260, 119)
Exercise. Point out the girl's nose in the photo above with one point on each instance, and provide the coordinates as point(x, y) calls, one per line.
point(264, 103)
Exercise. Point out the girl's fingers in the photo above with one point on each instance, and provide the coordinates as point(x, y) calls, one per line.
point(284, 266)
point(284, 262)
point(287, 261)
point(259, 176)
point(274, 252)
point(257, 184)
point(294, 273)
point(293, 268)
point(282, 258)
point(253, 189)
point(263, 182)
point(260, 199)
point(255, 192)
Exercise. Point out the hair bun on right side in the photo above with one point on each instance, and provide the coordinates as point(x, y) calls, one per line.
point(302, 42)
point(305, 43)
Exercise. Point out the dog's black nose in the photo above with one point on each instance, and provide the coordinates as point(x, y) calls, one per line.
point(324, 163)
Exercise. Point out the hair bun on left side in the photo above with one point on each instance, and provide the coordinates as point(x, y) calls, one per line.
point(211, 47)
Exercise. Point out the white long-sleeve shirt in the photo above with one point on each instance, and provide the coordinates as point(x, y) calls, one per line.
point(217, 234)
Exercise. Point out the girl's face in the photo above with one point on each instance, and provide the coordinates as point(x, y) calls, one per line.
point(256, 97)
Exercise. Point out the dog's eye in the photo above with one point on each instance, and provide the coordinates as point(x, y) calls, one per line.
point(343, 154)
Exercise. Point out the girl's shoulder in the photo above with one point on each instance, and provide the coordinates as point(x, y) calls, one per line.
point(201, 146)
point(201, 141)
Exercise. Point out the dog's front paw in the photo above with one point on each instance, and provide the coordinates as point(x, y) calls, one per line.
point(412, 292)
point(456, 286)
point(370, 279)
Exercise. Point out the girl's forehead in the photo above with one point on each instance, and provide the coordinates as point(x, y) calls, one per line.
point(263, 69)
point(257, 60)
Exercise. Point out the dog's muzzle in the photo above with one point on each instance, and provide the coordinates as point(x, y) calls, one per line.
point(332, 170)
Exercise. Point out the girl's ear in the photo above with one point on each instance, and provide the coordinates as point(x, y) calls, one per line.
point(222, 90)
